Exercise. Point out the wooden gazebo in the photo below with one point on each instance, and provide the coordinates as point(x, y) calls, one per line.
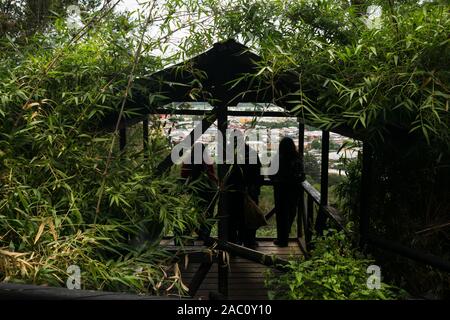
point(224, 76)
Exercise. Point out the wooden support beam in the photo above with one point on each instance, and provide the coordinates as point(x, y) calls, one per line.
point(145, 137)
point(222, 124)
point(301, 196)
point(223, 274)
point(300, 213)
point(321, 216)
point(252, 255)
point(302, 245)
point(324, 168)
point(301, 137)
point(365, 193)
point(270, 214)
point(198, 278)
point(309, 221)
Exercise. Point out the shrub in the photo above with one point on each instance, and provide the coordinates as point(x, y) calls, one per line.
point(63, 200)
point(334, 271)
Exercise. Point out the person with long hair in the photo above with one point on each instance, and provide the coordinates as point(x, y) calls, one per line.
point(286, 185)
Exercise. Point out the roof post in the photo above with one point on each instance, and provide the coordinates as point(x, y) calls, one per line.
point(222, 123)
point(365, 189)
point(301, 198)
point(321, 216)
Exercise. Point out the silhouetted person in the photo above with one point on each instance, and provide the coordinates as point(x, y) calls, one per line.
point(242, 179)
point(202, 177)
point(286, 186)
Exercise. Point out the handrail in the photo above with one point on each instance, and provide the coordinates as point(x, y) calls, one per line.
point(330, 211)
point(371, 239)
point(334, 214)
point(270, 214)
point(315, 194)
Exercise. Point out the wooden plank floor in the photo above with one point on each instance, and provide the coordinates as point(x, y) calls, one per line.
point(245, 278)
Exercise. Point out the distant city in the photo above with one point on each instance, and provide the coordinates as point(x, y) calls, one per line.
point(177, 127)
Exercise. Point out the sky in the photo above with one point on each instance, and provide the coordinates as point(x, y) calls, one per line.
point(153, 30)
point(128, 5)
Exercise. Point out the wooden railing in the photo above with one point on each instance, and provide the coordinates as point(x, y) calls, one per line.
point(310, 210)
point(313, 209)
point(312, 215)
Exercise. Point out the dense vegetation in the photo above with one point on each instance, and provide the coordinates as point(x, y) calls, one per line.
point(334, 270)
point(69, 196)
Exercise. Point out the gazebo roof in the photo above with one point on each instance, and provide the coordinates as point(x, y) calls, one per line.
point(224, 75)
point(212, 76)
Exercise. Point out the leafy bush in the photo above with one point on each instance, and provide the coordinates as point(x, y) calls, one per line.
point(348, 190)
point(333, 271)
point(68, 196)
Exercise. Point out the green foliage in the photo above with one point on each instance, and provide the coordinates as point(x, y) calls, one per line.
point(266, 203)
point(334, 271)
point(334, 146)
point(63, 200)
point(373, 80)
point(316, 144)
point(348, 190)
point(25, 17)
point(278, 125)
point(312, 167)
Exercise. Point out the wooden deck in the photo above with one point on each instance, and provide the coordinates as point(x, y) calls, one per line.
point(245, 278)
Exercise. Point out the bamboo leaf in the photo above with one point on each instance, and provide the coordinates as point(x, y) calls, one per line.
point(39, 233)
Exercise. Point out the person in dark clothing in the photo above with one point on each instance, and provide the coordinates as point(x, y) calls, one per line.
point(241, 179)
point(286, 185)
point(203, 180)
